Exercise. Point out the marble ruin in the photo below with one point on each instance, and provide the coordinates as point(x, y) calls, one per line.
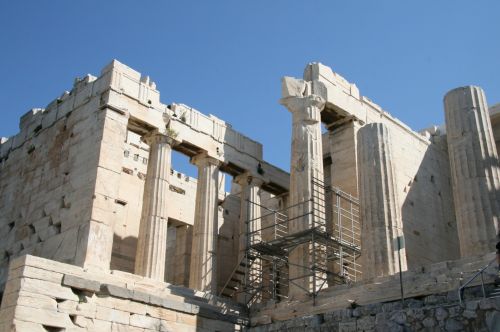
point(100, 233)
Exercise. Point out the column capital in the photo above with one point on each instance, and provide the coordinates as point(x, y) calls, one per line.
point(203, 159)
point(298, 104)
point(157, 137)
point(247, 178)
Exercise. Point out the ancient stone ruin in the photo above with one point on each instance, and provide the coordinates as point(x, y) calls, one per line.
point(375, 227)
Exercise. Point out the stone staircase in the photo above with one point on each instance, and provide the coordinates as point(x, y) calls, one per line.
point(235, 284)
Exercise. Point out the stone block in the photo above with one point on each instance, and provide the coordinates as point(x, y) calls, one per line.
point(116, 291)
point(454, 325)
point(19, 325)
point(112, 315)
point(486, 304)
point(48, 288)
point(156, 300)
point(100, 325)
point(13, 286)
point(94, 245)
point(43, 316)
point(140, 296)
point(366, 323)
point(441, 314)
point(116, 327)
point(144, 322)
point(60, 246)
point(429, 322)
point(34, 300)
point(37, 273)
point(81, 283)
point(160, 313)
point(471, 305)
point(212, 325)
point(492, 319)
point(83, 322)
point(134, 307)
point(7, 314)
point(186, 319)
point(77, 308)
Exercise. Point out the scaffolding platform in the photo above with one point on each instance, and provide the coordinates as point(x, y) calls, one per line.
point(331, 241)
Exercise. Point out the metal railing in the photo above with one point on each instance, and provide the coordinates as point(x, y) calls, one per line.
point(478, 273)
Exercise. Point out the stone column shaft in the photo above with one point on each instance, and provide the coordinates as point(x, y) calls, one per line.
point(379, 205)
point(183, 244)
point(152, 240)
point(474, 168)
point(250, 211)
point(203, 270)
point(306, 164)
point(342, 141)
point(250, 225)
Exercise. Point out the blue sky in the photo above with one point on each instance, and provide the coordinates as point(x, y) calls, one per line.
point(227, 57)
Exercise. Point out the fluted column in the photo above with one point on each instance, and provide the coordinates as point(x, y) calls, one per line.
point(152, 239)
point(379, 206)
point(342, 144)
point(250, 225)
point(203, 269)
point(474, 168)
point(250, 211)
point(306, 164)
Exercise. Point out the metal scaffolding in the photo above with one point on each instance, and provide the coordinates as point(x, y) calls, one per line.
point(331, 242)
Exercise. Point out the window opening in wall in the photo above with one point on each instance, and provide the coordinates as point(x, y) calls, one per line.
point(176, 189)
point(227, 182)
point(181, 164)
point(120, 201)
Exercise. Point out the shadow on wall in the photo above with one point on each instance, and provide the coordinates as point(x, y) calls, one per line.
point(428, 213)
point(123, 254)
point(228, 239)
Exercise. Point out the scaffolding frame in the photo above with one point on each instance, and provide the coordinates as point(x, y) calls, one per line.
point(332, 242)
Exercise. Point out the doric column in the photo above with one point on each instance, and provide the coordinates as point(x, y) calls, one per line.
point(474, 168)
point(250, 225)
point(379, 206)
point(203, 270)
point(306, 166)
point(152, 239)
point(250, 211)
point(183, 245)
point(342, 144)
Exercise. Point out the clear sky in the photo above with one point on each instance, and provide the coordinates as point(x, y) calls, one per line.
point(227, 57)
